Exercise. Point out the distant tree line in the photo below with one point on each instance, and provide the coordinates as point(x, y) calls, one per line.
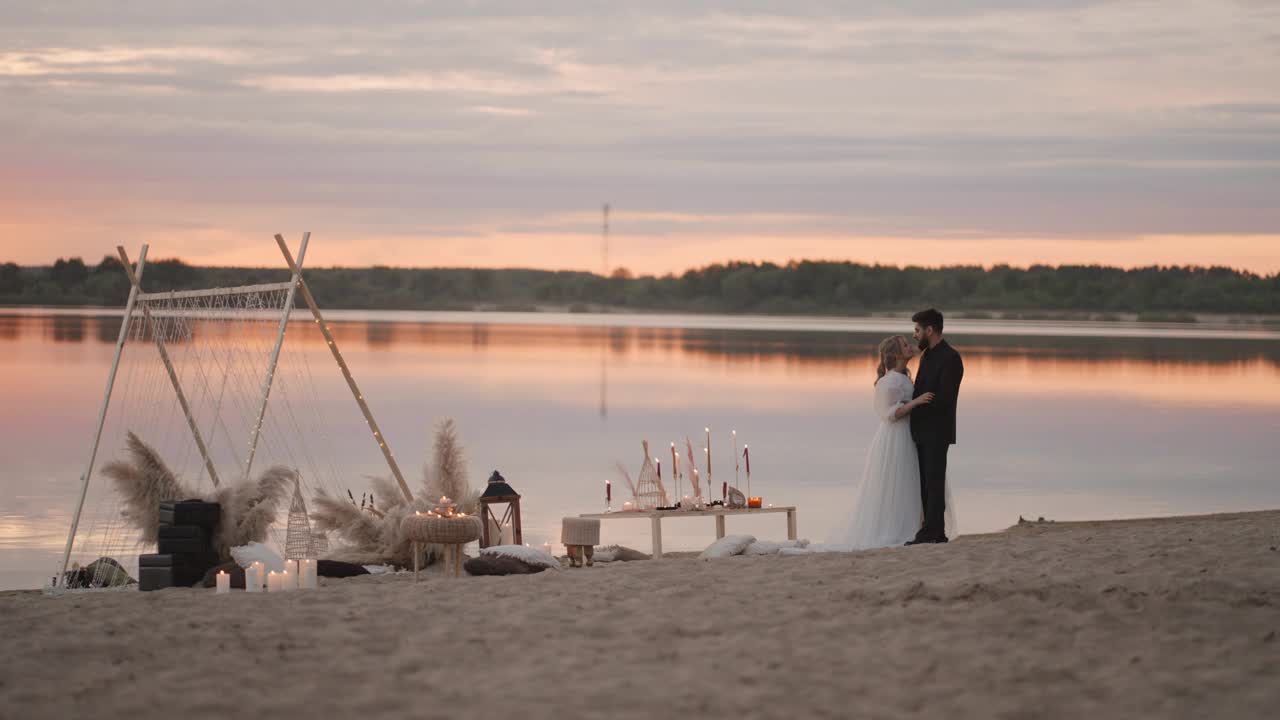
point(803, 287)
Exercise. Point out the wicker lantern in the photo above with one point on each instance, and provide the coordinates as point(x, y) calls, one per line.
point(499, 493)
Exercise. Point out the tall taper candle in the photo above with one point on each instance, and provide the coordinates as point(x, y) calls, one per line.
point(708, 462)
point(675, 468)
point(663, 499)
point(735, 458)
point(746, 457)
point(608, 495)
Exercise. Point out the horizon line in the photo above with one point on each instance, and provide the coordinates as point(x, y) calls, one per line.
point(679, 273)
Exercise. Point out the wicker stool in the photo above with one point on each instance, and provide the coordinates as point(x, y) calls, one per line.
point(580, 537)
point(452, 532)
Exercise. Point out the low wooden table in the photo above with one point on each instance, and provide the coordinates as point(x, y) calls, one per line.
point(655, 518)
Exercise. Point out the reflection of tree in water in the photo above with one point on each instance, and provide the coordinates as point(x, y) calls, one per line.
point(107, 329)
point(380, 334)
point(619, 339)
point(835, 347)
point(67, 328)
point(10, 327)
point(732, 346)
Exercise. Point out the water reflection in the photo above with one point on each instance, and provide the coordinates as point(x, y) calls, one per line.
point(67, 328)
point(1064, 427)
point(377, 334)
point(107, 329)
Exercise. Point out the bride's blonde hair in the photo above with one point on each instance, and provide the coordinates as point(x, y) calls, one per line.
point(892, 349)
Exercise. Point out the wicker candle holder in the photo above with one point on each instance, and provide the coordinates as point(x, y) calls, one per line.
point(452, 532)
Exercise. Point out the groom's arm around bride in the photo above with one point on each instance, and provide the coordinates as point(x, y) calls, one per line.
point(933, 426)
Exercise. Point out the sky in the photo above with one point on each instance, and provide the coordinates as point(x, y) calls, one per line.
point(926, 132)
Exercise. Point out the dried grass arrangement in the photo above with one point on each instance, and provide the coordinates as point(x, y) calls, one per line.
point(248, 507)
point(374, 534)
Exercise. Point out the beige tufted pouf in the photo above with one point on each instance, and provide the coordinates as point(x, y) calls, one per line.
point(580, 536)
point(452, 532)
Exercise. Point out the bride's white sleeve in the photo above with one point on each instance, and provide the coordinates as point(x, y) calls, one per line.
point(888, 399)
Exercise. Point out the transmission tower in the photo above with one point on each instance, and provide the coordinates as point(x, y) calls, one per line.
point(604, 240)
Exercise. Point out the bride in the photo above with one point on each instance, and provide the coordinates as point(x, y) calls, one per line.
point(887, 506)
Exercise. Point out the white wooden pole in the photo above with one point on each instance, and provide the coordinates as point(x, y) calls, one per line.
point(61, 580)
point(275, 354)
point(173, 375)
point(346, 372)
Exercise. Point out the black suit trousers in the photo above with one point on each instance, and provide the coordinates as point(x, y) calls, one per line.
point(933, 489)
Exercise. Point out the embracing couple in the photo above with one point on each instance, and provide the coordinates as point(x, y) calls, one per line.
point(904, 497)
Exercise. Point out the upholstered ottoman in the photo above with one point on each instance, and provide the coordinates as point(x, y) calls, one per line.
point(580, 537)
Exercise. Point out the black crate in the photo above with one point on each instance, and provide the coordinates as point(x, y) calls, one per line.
point(190, 512)
point(185, 563)
point(177, 546)
point(154, 578)
point(183, 532)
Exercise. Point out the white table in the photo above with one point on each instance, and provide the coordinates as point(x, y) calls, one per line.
point(655, 517)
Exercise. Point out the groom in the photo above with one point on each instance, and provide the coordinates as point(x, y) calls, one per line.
point(933, 426)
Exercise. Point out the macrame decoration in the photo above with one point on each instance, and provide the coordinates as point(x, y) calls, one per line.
point(239, 394)
point(650, 493)
point(299, 543)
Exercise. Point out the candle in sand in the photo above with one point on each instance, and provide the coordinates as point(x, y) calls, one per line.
point(224, 582)
point(308, 579)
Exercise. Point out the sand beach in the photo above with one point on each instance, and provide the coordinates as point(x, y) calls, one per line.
point(1174, 617)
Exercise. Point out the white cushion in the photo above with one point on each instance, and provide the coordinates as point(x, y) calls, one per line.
point(727, 546)
point(771, 547)
point(245, 555)
point(528, 555)
point(797, 551)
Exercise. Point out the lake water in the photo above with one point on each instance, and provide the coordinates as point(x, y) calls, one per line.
point(1065, 421)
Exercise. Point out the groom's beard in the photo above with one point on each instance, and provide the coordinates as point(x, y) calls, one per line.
point(923, 344)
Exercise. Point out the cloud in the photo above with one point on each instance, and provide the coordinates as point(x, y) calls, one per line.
point(929, 118)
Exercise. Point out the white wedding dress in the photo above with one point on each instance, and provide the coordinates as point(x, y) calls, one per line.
point(887, 509)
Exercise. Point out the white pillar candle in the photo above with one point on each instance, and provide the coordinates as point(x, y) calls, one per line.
point(289, 580)
point(273, 582)
point(508, 535)
point(251, 582)
point(260, 575)
point(224, 582)
point(547, 548)
point(291, 566)
point(308, 576)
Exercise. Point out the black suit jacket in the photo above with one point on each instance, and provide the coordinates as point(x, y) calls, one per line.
point(940, 373)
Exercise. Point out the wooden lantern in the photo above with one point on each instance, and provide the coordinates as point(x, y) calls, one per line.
point(499, 493)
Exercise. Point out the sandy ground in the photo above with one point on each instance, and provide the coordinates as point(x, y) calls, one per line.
point(1153, 618)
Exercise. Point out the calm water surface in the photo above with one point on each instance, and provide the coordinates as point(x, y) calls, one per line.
point(1068, 422)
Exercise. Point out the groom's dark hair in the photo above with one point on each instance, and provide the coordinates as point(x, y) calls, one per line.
point(929, 319)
